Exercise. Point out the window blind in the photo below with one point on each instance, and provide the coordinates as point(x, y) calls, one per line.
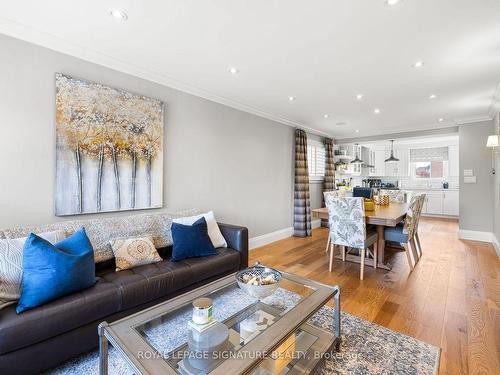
point(316, 159)
point(428, 154)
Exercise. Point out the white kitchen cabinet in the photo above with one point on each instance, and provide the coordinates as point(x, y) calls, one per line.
point(453, 160)
point(399, 168)
point(450, 203)
point(379, 163)
point(391, 168)
point(434, 203)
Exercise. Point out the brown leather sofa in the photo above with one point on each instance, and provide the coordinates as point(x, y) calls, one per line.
point(44, 337)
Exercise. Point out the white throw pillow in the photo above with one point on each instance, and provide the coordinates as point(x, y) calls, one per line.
point(214, 232)
point(134, 252)
point(11, 265)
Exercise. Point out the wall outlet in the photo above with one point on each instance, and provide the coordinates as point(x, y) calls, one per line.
point(468, 172)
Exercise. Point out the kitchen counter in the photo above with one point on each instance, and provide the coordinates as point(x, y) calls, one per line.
point(429, 189)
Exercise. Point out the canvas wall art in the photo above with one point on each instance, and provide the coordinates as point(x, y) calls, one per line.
point(109, 154)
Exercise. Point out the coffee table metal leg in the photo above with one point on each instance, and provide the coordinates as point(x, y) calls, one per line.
point(336, 319)
point(103, 350)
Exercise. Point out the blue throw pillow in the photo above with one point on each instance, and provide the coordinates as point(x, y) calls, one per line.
point(191, 241)
point(52, 271)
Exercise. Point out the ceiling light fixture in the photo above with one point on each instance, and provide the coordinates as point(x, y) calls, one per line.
point(441, 119)
point(376, 111)
point(391, 158)
point(432, 96)
point(357, 130)
point(325, 115)
point(118, 14)
point(391, 2)
point(291, 98)
point(359, 96)
point(418, 64)
point(233, 70)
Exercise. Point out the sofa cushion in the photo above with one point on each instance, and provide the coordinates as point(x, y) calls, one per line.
point(52, 271)
point(191, 240)
point(146, 283)
point(56, 317)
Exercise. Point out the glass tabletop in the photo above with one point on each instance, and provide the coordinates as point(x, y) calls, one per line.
point(240, 318)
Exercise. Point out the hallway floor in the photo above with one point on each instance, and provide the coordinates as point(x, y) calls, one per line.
point(451, 299)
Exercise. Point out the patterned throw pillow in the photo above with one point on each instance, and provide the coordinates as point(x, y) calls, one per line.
point(11, 265)
point(133, 252)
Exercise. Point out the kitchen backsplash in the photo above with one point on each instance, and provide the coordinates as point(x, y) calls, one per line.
point(409, 183)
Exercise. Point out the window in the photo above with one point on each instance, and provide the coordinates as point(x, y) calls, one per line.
point(316, 160)
point(429, 162)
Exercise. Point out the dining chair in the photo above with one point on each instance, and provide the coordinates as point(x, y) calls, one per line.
point(333, 193)
point(421, 198)
point(364, 192)
point(348, 229)
point(395, 196)
point(404, 234)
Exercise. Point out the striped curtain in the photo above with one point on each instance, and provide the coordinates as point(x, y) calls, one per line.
point(301, 202)
point(329, 182)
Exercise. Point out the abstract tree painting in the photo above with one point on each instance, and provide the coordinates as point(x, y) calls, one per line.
point(109, 154)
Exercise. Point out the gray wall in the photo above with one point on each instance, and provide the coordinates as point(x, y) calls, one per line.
point(496, 187)
point(476, 200)
point(216, 157)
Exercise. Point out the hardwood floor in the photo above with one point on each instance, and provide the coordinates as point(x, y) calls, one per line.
point(451, 300)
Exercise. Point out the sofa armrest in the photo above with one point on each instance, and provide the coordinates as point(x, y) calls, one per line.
point(237, 239)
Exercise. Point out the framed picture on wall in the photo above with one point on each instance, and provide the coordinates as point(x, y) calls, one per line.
point(109, 149)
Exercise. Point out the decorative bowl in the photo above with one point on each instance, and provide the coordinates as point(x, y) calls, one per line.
point(259, 274)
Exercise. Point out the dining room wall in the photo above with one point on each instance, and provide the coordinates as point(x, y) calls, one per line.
point(476, 199)
point(215, 157)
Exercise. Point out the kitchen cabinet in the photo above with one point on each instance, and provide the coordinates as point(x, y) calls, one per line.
point(450, 203)
point(434, 203)
point(453, 160)
point(400, 168)
point(379, 163)
point(441, 202)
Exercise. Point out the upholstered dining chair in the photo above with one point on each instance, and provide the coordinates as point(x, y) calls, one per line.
point(348, 229)
point(333, 193)
point(364, 192)
point(395, 196)
point(404, 234)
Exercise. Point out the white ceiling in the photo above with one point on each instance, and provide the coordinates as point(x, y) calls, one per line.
point(322, 52)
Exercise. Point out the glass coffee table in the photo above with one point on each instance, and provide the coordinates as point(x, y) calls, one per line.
point(260, 337)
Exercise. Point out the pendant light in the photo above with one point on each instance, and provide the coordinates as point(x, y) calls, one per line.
point(356, 160)
point(391, 158)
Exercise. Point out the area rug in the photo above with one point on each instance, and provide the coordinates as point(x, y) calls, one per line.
point(366, 348)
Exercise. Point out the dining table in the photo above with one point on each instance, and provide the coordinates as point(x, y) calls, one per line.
point(381, 217)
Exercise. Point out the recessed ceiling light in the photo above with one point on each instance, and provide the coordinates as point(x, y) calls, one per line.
point(357, 130)
point(118, 14)
point(325, 115)
point(418, 64)
point(359, 96)
point(291, 98)
point(432, 96)
point(440, 119)
point(391, 2)
point(233, 70)
point(376, 111)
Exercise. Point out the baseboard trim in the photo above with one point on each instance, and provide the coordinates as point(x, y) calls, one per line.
point(267, 238)
point(496, 244)
point(475, 235)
